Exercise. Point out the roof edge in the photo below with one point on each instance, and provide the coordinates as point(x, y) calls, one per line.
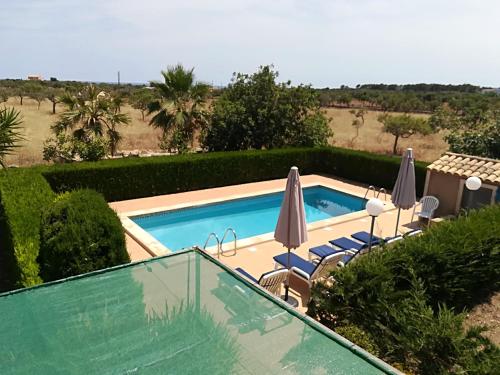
point(469, 156)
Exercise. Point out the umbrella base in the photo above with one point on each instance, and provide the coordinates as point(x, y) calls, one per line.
point(291, 301)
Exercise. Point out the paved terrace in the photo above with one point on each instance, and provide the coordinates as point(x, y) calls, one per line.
point(257, 258)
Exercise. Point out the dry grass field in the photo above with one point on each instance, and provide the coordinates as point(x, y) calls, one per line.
point(138, 135)
point(371, 138)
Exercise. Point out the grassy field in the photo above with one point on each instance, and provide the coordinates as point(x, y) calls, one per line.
point(140, 136)
point(371, 138)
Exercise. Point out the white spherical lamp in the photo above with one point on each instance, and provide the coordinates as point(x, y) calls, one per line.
point(473, 183)
point(374, 207)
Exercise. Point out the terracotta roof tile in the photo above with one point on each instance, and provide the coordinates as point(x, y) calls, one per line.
point(465, 166)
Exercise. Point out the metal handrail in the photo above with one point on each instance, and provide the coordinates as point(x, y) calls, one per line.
point(224, 237)
point(371, 187)
point(385, 193)
point(216, 238)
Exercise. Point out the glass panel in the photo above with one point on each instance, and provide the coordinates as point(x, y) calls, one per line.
point(476, 199)
point(181, 314)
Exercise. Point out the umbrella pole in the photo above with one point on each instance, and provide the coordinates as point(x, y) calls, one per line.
point(288, 277)
point(397, 223)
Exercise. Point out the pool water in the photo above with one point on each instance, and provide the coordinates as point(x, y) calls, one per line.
point(253, 216)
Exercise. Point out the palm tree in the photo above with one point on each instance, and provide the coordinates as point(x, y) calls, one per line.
point(93, 114)
point(179, 110)
point(10, 135)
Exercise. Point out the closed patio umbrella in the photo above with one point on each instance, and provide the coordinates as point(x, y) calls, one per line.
point(403, 194)
point(291, 228)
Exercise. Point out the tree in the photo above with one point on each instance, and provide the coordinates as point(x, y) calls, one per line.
point(10, 135)
point(53, 95)
point(445, 118)
point(91, 114)
point(4, 94)
point(359, 120)
point(36, 92)
point(345, 99)
point(20, 93)
point(472, 130)
point(179, 109)
point(256, 112)
point(403, 126)
point(140, 100)
point(482, 140)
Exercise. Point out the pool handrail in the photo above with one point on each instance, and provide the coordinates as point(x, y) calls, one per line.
point(382, 190)
point(221, 251)
point(371, 187)
point(216, 239)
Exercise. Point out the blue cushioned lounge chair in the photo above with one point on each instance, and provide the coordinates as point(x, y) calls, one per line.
point(270, 281)
point(348, 244)
point(321, 252)
point(365, 238)
point(306, 270)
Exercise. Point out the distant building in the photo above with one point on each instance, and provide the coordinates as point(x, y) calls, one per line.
point(34, 77)
point(495, 90)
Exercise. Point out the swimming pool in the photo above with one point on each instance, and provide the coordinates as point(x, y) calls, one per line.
point(249, 217)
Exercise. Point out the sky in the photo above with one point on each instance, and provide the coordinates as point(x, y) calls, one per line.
point(325, 43)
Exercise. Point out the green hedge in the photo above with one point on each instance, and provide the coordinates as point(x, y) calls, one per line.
point(25, 192)
point(370, 169)
point(406, 297)
point(80, 233)
point(143, 177)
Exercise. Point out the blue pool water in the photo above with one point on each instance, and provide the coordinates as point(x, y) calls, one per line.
point(253, 216)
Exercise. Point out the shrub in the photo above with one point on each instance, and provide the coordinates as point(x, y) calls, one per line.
point(66, 148)
point(10, 132)
point(80, 233)
point(361, 338)
point(24, 194)
point(405, 296)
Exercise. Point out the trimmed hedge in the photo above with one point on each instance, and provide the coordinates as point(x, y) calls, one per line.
point(366, 168)
point(406, 296)
point(80, 233)
point(143, 177)
point(24, 193)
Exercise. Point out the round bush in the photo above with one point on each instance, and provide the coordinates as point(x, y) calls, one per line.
point(359, 337)
point(79, 233)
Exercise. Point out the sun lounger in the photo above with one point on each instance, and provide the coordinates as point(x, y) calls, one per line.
point(347, 244)
point(270, 281)
point(321, 251)
point(413, 232)
point(309, 271)
point(365, 237)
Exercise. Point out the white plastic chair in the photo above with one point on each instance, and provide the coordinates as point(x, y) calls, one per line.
point(428, 205)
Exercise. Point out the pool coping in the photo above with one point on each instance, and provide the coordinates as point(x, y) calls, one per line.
point(156, 248)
